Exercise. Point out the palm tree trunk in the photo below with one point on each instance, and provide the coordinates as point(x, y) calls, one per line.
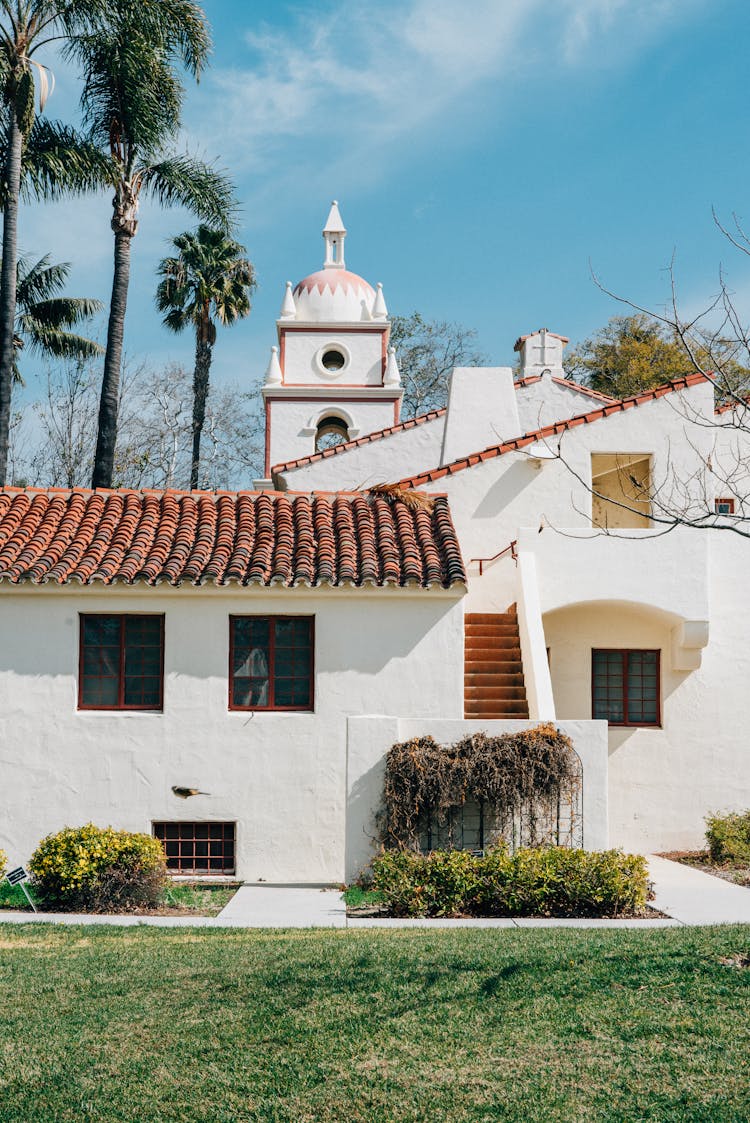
point(200, 395)
point(8, 284)
point(106, 437)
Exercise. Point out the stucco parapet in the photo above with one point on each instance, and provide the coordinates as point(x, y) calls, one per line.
point(667, 573)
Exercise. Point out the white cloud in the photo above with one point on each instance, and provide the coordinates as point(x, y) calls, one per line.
point(352, 87)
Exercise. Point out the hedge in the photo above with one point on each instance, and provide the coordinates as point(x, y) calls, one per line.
point(98, 869)
point(547, 881)
point(728, 837)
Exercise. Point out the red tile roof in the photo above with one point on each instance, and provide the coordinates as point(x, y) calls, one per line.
point(554, 430)
point(247, 538)
point(376, 435)
point(570, 384)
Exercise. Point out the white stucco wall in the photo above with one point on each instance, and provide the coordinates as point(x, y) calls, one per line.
point(293, 420)
point(281, 777)
point(394, 457)
point(543, 402)
point(664, 781)
point(363, 348)
point(482, 411)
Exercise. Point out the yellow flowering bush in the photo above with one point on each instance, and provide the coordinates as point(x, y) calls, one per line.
point(3, 862)
point(99, 869)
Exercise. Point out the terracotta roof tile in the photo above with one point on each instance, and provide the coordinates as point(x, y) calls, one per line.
point(265, 538)
point(554, 430)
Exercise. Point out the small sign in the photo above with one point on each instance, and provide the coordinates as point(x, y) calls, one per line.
point(17, 877)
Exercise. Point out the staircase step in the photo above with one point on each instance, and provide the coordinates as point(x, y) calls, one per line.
point(493, 631)
point(481, 653)
point(496, 710)
point(494, 694)
point(493, 677)
point(490, 617)
point(494, 685)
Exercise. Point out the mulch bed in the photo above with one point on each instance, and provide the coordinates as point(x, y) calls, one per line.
point(701, 860)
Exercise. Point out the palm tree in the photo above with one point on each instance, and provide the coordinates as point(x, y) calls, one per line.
point(132, 102)
point(209, 280)
point(25, 27)
point(43, 316)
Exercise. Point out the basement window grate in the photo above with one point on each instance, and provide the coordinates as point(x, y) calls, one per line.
point(198, 848)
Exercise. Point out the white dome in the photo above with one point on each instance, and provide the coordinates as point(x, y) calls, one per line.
point(334, 296)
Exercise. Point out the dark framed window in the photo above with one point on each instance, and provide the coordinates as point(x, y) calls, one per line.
point(121, 662)
point(724, 506)
point(202, 848)
point(271, 662)
point(625, 686)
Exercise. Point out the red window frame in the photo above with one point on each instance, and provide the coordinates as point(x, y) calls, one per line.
point(623, 652)
point(272, 707)
point(123, 617)
point(729, 502)
point(184, 836)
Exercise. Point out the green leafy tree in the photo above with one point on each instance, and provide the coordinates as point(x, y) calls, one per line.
point(210, 280)
point(132, 102)
point(634, 353)
point(427, 352)
point(627, 355)
point(44, 316)
point(26, 26)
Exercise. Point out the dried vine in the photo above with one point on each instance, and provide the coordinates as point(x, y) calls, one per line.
point(517, 775)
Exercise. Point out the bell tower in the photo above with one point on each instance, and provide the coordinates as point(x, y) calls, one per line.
point(331, 377)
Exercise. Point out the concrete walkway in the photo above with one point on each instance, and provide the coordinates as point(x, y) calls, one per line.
point(694, 897)
point(263, 906)
point(686, 895)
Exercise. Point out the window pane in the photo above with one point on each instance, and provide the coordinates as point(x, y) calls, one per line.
point(142, 690)
point(608, 672)
point(106, 681)
point(99, 691)
point(143, 661)
point(271, 662)
point(101, 631)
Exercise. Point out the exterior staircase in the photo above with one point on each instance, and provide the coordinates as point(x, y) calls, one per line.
point(493, 672)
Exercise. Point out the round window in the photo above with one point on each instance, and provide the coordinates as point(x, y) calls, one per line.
point(333, 360)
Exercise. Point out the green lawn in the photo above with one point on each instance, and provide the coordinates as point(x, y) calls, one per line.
point(148, 1025)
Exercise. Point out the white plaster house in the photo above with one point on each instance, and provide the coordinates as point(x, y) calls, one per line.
point(266, 648)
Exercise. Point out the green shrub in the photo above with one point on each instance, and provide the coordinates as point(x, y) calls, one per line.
point(728, 837)
point(549, 881)
point(98, 869)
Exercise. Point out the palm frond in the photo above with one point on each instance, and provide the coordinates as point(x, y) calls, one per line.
point(58, 161)
point(39, 281)
point(194, 184)
point(61, 312)
point(61, 344)
point(394, 493)
point(211, 277)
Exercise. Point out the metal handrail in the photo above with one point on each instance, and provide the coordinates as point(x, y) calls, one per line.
point(510, 549)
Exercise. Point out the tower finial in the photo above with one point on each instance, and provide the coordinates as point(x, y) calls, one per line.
point(288, 307)
point(334, 233)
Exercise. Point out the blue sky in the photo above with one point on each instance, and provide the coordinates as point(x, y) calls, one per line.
point(482, 155)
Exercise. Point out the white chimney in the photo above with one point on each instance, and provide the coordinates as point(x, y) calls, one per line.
point(482, 411)
point(541, 351)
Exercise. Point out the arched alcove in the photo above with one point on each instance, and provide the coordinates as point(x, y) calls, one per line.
point(330, 431)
